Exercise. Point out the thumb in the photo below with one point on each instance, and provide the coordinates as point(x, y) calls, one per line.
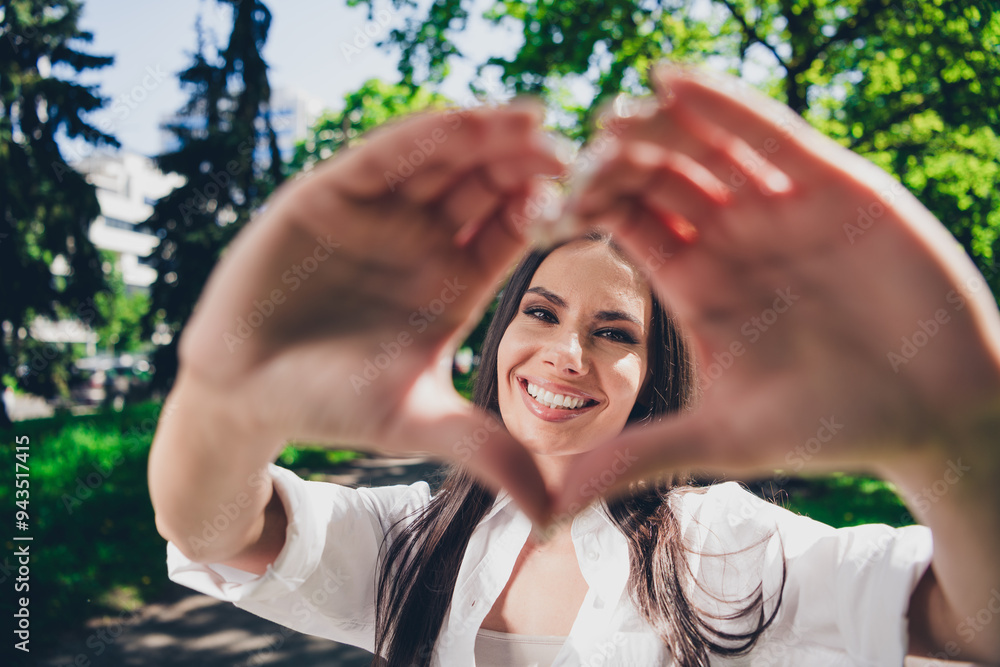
point(436, 420)
point(479, 441)
point(639, 453)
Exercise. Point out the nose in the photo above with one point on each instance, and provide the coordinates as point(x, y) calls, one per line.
point(565, 354)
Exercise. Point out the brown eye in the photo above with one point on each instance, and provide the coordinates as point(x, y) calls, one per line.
point(617, 335)
point(539, 313)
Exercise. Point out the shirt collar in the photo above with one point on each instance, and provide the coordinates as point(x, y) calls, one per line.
point(505, 501)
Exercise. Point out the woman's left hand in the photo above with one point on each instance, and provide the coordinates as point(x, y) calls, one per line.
point(835, 320)
point(836, 323)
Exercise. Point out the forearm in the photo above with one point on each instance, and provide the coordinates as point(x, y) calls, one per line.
point(207, 474)
point(955, 490)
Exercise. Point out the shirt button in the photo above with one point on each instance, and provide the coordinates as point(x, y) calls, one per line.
point(593, 555)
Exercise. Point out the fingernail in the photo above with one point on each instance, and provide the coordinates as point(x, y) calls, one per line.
point(627, 106)
point(529, 103)
point(547, 233)
point(559, 145)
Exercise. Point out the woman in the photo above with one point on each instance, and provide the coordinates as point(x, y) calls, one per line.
point(373, 268)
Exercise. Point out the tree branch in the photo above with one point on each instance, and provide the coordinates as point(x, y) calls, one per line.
point(751, 31)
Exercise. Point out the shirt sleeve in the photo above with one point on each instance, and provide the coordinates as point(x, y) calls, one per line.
point(847, 591)
point(323, 581)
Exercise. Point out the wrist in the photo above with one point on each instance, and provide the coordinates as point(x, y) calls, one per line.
point(957, 466)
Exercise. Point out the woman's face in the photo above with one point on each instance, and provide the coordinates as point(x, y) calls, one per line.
point(574, 358)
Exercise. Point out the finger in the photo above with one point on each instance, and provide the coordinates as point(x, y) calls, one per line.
point(767, 126)
point(505, 175)
point(502, 462)
point(669, 183)
point(741, 168)
point(471, 200)
point(430, 143)
point(478, 441)
point(513, 174)
point(678, 445)
point(639, 453)
point(502, 238)
point(727, 157)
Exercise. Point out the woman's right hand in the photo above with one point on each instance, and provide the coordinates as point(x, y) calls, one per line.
point(333, 316)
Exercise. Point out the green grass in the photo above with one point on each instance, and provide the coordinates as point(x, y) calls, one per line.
point(95, 548)
point(838, 499)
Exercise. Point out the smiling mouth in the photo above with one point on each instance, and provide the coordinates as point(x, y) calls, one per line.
point(555, 401)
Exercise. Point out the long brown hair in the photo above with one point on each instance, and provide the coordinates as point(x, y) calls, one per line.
point(422, 559)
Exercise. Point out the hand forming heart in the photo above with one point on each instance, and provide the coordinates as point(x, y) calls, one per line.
point(820, 296)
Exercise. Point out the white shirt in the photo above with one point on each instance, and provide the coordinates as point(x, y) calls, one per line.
point(844, 603)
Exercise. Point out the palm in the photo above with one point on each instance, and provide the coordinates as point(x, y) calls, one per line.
point(797, 277)
point(333, 316)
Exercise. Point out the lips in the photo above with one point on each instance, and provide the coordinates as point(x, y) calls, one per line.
point(547, 406)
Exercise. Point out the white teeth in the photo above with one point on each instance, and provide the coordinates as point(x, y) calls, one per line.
point(551, 400)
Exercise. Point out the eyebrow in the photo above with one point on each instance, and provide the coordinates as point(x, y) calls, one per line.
point(602, 315)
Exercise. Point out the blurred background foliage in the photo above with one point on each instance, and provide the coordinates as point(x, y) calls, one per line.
point(45, 206)
point(914, 85)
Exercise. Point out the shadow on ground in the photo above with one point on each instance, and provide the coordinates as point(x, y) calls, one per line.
point(187, 629)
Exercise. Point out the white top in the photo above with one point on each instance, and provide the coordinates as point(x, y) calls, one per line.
point(845, 599)
point(501, 649)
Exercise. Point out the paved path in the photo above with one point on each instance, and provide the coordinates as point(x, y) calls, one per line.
point(188, 629)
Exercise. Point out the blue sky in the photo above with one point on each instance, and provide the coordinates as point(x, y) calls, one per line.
point(153, 40)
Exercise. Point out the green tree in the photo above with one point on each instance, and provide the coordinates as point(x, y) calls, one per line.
point(911, 84)
point(372, 104)
point(121, 311)
point(45, 206)
point(228, 154)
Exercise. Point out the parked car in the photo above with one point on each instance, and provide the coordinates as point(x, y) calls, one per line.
point(108, 380)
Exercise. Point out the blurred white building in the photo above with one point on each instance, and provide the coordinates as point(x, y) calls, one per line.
point(292, 114)
point(128, 185)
